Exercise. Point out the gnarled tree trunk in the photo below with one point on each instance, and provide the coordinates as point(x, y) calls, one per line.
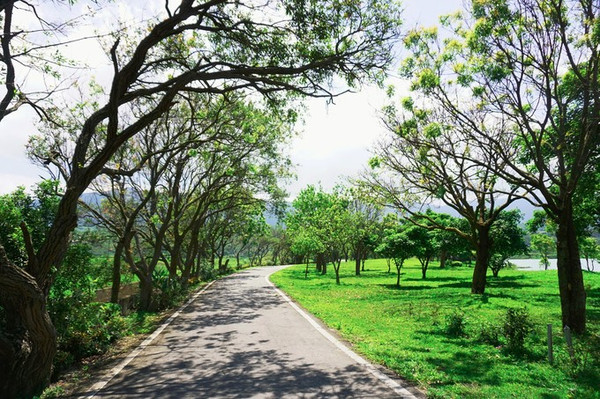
point(28, 344)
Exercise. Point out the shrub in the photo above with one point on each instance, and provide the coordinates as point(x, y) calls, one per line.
point(455, 324)
point(93, 329)
point(207, 272)
point(517, 325)
point(171, 291)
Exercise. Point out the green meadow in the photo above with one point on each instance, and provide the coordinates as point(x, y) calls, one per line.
point(453, 344)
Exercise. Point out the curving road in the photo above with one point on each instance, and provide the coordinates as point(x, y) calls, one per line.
point(243, 339)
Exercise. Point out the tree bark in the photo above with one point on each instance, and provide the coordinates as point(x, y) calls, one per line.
point(145, 293)
point(443, 258)
point(482, 256)
point(570, 276)
point(28, 345)
point(116, 273)
point(357, 260)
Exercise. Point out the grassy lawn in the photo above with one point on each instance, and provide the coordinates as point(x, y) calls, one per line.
point(410, 330)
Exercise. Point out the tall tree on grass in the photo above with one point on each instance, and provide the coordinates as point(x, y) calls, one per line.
point(428, 158)
point(213, 47)
point(531, 67)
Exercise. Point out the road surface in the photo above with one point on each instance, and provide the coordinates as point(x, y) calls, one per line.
point(242, 339)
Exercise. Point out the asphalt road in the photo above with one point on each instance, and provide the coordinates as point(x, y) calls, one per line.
point(242, 339)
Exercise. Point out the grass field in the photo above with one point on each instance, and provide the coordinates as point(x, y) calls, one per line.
point(452, 344)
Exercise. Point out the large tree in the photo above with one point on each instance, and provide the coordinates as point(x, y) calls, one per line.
point(212, 47)
point(426, 159)
point(530, 67)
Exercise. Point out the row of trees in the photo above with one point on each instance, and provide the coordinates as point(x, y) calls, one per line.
point(192, 62)
point(329, 227)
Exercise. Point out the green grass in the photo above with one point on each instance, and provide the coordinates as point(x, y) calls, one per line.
point(406, 329)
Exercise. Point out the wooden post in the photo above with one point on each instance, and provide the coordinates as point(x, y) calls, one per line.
point(550, 351)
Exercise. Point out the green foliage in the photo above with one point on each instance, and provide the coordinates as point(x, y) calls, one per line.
point(508, 239)
point(456, 324)
point(35, 210)
point(544, 245)
point(170, 291)
point(517, 325)
point(91, 329)
point(319, 221)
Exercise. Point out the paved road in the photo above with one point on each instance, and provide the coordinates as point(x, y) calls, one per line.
point(241, 339)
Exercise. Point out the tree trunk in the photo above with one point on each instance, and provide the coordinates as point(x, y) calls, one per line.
point(337, 271)
point(321, 265)
point(116, 273)
point(357, 260)
point(570, 276)
point(424, 267)
point(28, 345)
point(145, 293)
point(484, 244)
point(443, 257)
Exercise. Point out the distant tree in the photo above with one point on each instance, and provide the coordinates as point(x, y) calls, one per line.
point(305, 244)
point(508, 239)
point(589, 249)
point(398, 246)
point(326, 218)
point(424, 245)
point(544, 245)
point(365, 215)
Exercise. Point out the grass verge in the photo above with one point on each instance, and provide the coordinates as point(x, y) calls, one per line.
point(454, 344)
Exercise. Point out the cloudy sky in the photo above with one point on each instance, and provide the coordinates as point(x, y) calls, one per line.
point(334, 141)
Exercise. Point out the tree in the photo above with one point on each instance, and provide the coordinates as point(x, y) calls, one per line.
point(364, 223)
point(305, 244)
point(508, 239)
point(590, 249)
point(30, 50)
point(326, 218)
point(428, 158)
point(216, 47)
point(424, 246)
point(530, 68)
point(398, 246)
point(543, 244)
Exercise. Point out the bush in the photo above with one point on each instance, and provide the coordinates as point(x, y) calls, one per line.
point(207, 272)
point(517, 325)
point(93, 329)
point(171, 291)
point(455, 324)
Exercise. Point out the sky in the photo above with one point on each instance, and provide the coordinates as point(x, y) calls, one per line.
point(334, 140)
